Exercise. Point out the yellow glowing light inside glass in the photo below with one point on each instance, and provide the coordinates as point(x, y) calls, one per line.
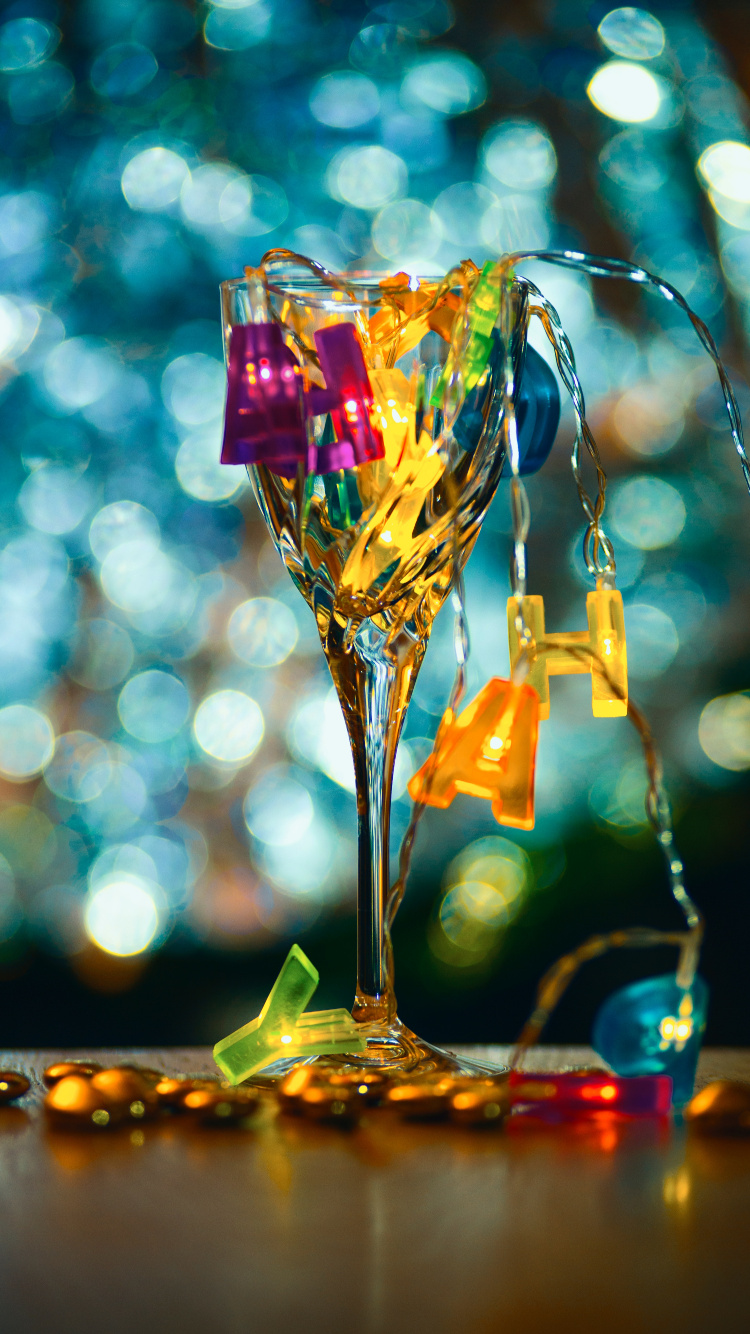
point(625, 91)
point(286, 1038)
point(726, 168)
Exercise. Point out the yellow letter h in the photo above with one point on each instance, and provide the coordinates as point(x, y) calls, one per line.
point(605, 637)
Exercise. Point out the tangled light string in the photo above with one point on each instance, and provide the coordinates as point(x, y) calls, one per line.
point(600, 266)
point(597, 548)
point(658, 810)
point(566, 365)
point(595, 541)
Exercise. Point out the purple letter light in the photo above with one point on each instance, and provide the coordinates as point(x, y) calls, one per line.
point(263, 421)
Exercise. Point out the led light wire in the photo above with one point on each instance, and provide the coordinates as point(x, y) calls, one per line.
point(520, 516)
point(519, 501)
point(658, 809)
point(595, 541)
point(600, 266)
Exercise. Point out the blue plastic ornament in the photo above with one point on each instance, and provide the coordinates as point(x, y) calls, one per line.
point(654, 1027)
point(537, 410)
point(538, 415)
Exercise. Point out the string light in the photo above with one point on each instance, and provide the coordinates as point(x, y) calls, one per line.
point(488, 748)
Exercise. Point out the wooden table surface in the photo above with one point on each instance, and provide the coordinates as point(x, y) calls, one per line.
point(391, 1228)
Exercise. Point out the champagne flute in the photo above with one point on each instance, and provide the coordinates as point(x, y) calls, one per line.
point(375, 549)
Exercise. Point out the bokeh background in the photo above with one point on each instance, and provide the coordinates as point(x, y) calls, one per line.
point(176, 792)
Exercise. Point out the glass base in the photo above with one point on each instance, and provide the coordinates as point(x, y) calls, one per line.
point(393, 1050)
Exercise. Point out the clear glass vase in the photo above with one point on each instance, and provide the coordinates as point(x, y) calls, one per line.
point(374, 551)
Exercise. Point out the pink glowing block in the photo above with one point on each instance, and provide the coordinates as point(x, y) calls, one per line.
point(264, 420)
point(590, 1091)
point(342, 362)
point(267, 407)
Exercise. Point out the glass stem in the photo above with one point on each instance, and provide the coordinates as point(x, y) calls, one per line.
point(374, 681)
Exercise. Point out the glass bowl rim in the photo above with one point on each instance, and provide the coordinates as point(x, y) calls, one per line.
point(313, 290)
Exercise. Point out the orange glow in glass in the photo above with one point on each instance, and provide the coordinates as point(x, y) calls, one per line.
point(412, 315)
point(415, 467)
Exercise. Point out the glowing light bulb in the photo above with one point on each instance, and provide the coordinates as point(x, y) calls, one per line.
point(349, 397)
point(482, 313)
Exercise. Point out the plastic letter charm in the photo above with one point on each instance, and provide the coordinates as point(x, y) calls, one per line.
point(537, 414)
point(484, 308)
point(358, 438)
point(263, 422)
point(388, 537)
point(654, 1027)
point(410, 313)
point(400, 326)
point(488, 750)
point(394, 413)
point(282, 1029)
point(605, 637)
point(537, 405)
point(591, 1091)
